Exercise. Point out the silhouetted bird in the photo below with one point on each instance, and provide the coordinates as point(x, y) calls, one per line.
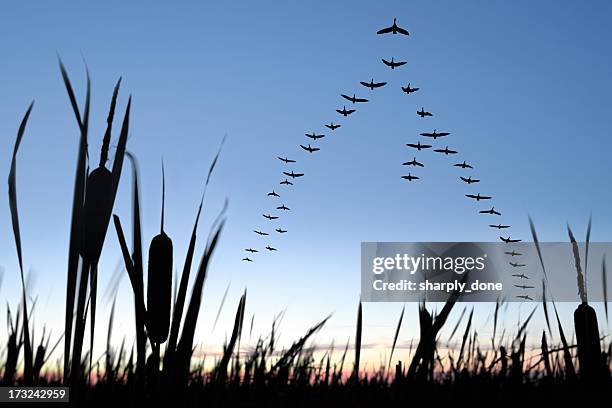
point(314, 136)
point(269, 248)
point(286, 182)
point(422, 113)
point(513, 253)
point(435, 134)
point(414, 162)
point(410, 177)
point(446, 151)
point(524, 287)
point(491, 211)
point(526, 297)
point(251, 250)
point(282, 207)
point(247, 259)
point(478, 197)
point(280, 230)
point(394, 29)
point(310, 149)
point(273, 194)
point(516, 265)
point(509, 240)
point(392, 64)
point(499, 226)
point(260, 233)
point(418, 146)
point(344, 111)
point(520, 275)
point(463, 165)
point(373, 84)
point(332, 126)
point(286, 160)
point(469, 180)
point(409, 90)
point(353, 98)
point(270, 217)
point(292, 174)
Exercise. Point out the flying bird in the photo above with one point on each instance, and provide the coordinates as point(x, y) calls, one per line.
point(314, 136)
point(524, 287)
point(309, 149)
point(287, 182)
point(353, 98)
point(283, 207)
point(414, 162)
point(280, 230)
point(499, 226)
point(270, 217)
point(526, 297)
point(372, 85)
point(435, 134)
point(260, 233)
point(446, 151)
point(491, 211)
point(478, 197)
point(418, 146)
point(409, 90)
point(286, 160)
point(251, 250)
point(463, 165)
point(516, 265)
point(422, 113)
point(520, 275)
point(410, 177)
point(332, 126)
point(469, 180)
point(394, 29)
point(269, 248)
point(513, 253)
point(273, 194)
point(392, 64)
point(344, 111)
point(292, 175)
point(247, 259)
point(509, 240)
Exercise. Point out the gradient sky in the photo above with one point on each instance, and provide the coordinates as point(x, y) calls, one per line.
point(524, 87)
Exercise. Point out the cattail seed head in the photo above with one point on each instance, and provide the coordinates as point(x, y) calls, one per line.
point(587, 337)
point(159, 287)
point(96, 212)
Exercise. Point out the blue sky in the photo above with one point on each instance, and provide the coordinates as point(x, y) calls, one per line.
point(524, 88)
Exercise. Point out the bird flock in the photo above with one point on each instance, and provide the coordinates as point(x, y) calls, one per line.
point(290, 175)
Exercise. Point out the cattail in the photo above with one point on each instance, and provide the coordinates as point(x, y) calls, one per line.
point(159, 288)
point(587, 337)
point(96, 211)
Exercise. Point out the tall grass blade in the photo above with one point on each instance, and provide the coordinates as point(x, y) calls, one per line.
point(604, 284)
point(397, 330)
point(358, 342)
point(76, 219)
point(221, 306)
point(12, 195)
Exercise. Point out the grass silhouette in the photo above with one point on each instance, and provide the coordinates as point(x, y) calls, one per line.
point(265, 375)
